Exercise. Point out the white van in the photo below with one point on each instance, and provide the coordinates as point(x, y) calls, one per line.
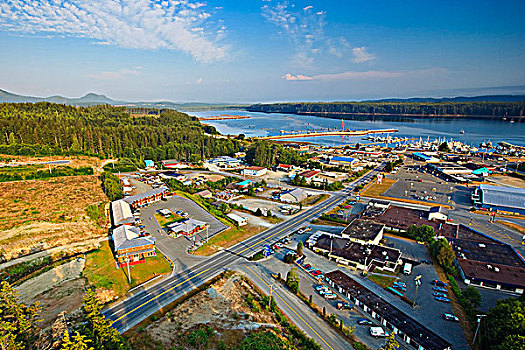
point(378, 332)
point(407, 269)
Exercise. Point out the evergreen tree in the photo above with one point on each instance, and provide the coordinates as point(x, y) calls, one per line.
point(391, 343)
point(79, 342)
point(17, 321)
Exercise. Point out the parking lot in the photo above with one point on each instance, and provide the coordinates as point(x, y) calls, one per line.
point(419, 185)
point(176, 248)
point(427, 311)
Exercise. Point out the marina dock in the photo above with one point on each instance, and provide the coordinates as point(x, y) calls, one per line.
point(328, 133)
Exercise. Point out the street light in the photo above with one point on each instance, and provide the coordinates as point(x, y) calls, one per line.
point(477, 328)
point(417, 280)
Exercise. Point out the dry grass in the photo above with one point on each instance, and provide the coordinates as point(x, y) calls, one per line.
point(512, 225)
point(41, 214)
point(376, 190)
point(227, 239)
point(76, 161)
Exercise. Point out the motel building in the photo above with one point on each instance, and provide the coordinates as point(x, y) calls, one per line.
point(130, 248)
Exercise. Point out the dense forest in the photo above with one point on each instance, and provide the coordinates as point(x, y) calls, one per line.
point(43, 129)
point(491, 109)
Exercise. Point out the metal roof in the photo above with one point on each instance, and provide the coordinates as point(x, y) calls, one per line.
point(512, 197)
point(137, 197)
point(125, 237)
point(121, 212)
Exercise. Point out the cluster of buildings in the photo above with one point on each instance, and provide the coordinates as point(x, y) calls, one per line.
point(481, 260)
point(357, 246)
point(130, 245)
point(400, 323)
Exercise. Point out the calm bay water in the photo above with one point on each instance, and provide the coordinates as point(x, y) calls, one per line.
point(476, 130)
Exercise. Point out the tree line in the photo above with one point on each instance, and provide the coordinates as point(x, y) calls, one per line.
point(493, 109)
point(44, 129)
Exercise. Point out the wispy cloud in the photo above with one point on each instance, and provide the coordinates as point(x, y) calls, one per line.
point(302, 26)
point(136, 24)
point(116, 75)
point(365, 75)
point(361, 55)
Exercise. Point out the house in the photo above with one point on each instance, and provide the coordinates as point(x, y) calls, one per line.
point(187, 227)
point(416, 335)
point(294, 196)
point(241, 221)
point(363, 232)
point(170, 164)
point(301, 149)
point(337, 160)
point(309, 175)
point(285, 167)
point(506, 199)
point(149, 164)
point(121, 213)
point(254, 171)
point(129, 247)
point(243, 184)
point(205, 194)
point(143, 199)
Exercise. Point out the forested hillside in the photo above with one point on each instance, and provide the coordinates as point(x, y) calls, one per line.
point(491, 109)
point(106, 131)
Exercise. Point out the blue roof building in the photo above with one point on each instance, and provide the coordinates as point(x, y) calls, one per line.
point(149, 163)
point(509, 199)
point(343, 160)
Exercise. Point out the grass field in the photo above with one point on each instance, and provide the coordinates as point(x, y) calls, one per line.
point(382, 281)
point(42, 214)
point(227, 239)
point(315, 199)
point(101, 270)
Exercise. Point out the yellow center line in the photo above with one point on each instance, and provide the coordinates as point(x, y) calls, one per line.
point(158, 296)
point(242, 251)
point(277, 295)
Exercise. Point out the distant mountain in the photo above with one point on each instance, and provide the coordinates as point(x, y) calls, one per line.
point(86, 100)
point(484, 98)
point(97, 99)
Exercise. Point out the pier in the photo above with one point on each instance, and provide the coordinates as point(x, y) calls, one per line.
point(224, 117)
point(328, 133)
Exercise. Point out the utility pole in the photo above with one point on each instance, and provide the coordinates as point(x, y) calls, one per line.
point(206, 233)
point(477, 328)
point(418, 282)
point(129, 274)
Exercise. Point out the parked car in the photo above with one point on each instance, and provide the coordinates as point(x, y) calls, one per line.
point(400, 283)
point(330, 296)
point(450, 317)
point(364, 321)
point(428, 262)
point(399, 287)
point(442, 299)
point(442, 295)
point(307, 266)
point(321, 286)
point(438, 283)
point(439, 289)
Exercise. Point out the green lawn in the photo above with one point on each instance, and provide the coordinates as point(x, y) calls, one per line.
point(382, 281)
point(101, 270)
point(165, 221)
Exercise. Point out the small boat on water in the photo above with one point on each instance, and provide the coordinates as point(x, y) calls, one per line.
point(462, 131)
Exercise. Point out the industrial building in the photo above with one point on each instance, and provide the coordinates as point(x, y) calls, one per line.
point(225, 162)
point(254, 171)
point(337, 160)
point(500, 198)
point(405, 327)
point(294, 196)
point(129, 247)
point(428, 158)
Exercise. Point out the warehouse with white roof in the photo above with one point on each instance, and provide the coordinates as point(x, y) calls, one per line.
point(507, 199)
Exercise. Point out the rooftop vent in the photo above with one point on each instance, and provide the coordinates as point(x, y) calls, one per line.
point(481, 245)
point(496, 269)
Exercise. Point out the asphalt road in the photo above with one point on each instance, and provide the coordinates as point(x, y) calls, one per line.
point(131, 311)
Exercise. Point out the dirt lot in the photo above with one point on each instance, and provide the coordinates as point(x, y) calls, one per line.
point(508, 180)
point(226, 311)
point(207, 177)
point(76, 161)
point(41, 214)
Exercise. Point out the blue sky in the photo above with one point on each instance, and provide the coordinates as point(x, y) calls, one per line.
point(261, 50)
